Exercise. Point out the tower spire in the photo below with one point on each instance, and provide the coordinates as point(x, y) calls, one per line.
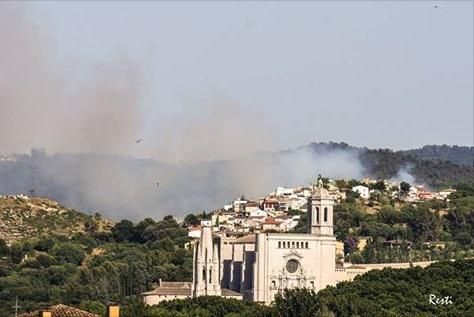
point(320, 209)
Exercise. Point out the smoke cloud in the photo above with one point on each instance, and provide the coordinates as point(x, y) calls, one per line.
point(404, 175)
point(46, 104)
point(126, 187)
point(202, 156)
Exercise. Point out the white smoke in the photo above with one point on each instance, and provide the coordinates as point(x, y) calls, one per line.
point(404, 175)
point(211, 144)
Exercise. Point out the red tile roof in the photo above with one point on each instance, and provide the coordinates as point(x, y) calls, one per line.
point(271, 221)
point(61, 311)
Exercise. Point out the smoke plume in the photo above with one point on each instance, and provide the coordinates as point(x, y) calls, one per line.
point(404, 174)
point(199, 157)
point(49, 103)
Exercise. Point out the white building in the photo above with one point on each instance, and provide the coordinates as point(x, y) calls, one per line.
point(362, 190)
point(282, 191)
point(258, 266)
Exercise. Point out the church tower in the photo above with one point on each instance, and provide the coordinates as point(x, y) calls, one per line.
point(206, 271)
point(320, 210)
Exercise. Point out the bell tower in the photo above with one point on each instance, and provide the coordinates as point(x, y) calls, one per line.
point(320, 209)
point(206, 261)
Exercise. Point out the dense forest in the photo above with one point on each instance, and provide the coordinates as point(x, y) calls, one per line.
point(90, 269)
point(434, 165)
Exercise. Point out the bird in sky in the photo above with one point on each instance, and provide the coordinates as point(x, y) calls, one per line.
point(139, 140)
point(436, 6)
point(157, 184)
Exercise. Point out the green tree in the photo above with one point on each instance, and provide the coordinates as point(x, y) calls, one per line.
point(298, 302)
point(69, 253)
point(123, 231)
point(191, 220)
point(404, 187)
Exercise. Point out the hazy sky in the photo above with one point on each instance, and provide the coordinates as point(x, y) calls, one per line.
point(274, 74)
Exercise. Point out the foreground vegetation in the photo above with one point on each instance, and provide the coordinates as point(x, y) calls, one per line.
point(390, 292)
point(90, 269)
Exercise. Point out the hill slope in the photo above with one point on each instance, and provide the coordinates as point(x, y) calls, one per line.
point(24, 217)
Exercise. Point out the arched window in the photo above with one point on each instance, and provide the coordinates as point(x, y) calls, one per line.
point(325, 214)
point(210, 275)
point(284, 244)
point(307, 245)
point(293, 244)
point(297, 244)
point(317, 214)
point(279, 244)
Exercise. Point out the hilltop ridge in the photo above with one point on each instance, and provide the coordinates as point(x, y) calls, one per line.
point(124, 186)
point(22, 216)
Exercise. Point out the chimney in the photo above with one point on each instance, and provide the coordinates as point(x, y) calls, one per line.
point(45, 314)
point(113, 311)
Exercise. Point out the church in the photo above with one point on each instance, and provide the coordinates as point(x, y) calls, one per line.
point(258, 266)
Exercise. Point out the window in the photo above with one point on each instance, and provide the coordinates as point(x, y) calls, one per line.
point(325, 214)
point(312, 284)
point(284, 244)
point(279, 244)
point(297, 244)
point(293, 244)
point(307, 245)
point(210, 276)
point(292, 266)
point(317, 214)
point(273, 284)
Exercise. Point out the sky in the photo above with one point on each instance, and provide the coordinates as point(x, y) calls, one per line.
point(213, 80)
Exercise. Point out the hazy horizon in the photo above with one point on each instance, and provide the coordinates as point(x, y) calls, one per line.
point(209, 81)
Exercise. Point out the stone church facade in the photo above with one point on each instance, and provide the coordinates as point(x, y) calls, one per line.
point(258, 266)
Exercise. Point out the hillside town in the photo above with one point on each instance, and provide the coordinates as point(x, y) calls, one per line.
point(281, 210)
point(253, 249)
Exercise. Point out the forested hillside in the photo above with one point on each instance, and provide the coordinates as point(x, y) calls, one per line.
point(127, 187)
point(91, 268)
point(461, 155)
point(433, 165)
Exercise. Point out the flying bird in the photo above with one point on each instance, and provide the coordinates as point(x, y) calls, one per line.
point(139, 140)
point(157, 184)
point(436, 6)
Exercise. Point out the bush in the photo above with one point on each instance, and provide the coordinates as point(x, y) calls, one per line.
point(69, 253)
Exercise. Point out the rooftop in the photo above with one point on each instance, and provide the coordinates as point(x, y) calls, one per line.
point(250, 238)
point(171, 288)
point(61, 311)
